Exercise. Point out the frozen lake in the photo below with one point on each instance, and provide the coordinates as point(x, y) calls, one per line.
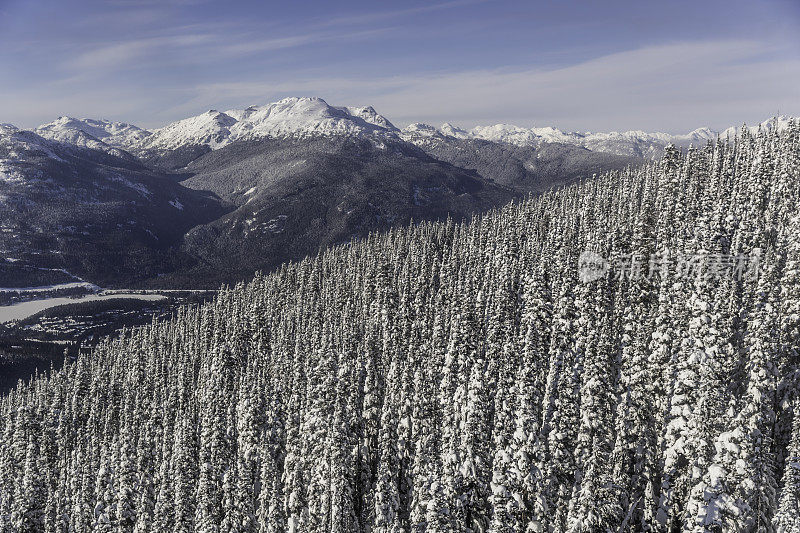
point(46, 288)
point(23, 310)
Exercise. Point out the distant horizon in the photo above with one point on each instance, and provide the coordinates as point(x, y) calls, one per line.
point(402, 125)
point(576, 65)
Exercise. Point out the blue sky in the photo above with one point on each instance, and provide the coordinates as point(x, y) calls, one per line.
point(578, 65)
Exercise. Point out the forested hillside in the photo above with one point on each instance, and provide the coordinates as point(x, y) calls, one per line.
point(198, 206)
point(460, 376)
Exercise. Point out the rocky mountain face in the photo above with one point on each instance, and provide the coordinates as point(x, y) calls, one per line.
point(215, 197)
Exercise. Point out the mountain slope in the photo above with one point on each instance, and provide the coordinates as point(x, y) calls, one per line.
point(100, 214)
point(216, 196)
point(297, 196)
point(494, 375)
point(522, 168)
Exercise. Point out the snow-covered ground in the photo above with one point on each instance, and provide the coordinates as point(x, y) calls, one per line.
point(57, 287)
point(24, 310)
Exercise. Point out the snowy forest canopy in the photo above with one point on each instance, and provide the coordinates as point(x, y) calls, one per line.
point(458, 377)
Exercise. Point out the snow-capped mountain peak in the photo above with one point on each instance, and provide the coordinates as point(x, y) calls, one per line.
point(452, 131)
point(703, 133)
point(211, 128)
point(7, 129)
point(506, 133)
point(421, 129)
point(633, 142)
point(242, 114)
point(101, 135)
point(303, 117)
point(118, 134)
point(289, 117)
point(780, 123)
point(368, 114)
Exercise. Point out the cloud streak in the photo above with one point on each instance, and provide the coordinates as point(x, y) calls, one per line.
point(368, 18)
point(674, 88)
point(464, 61)
point(199, 46)
point(663, 87)
point(121, 55)
point(211, 44)
point(666, 87)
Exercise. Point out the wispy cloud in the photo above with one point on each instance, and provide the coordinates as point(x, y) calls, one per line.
point(674, 87)
point(248, 46)
point(121, 54)
point(465, 61)
point(367, 18)
point(666, 87)
point(201, 44)
point(223, 39)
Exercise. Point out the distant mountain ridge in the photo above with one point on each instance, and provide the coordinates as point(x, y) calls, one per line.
point(118, 134)
point(631, 143)
point(220, 195)
point(288, 118)
point(304, 117)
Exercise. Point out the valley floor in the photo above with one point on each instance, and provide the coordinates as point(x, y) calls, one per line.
point(23, 310)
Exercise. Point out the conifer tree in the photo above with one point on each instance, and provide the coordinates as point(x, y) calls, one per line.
point(787, 515)
point(459, 376)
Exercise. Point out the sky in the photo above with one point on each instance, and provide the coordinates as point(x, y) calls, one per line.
point(585, 65)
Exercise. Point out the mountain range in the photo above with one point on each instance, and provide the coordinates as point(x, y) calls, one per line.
point(309, 117)
point(215, 197)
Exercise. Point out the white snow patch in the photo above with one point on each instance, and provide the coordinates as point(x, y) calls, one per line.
point(24, 310)
point(56, 287)
point(138, 187)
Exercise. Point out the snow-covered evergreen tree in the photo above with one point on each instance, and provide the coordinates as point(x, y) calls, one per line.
point(460, 376)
